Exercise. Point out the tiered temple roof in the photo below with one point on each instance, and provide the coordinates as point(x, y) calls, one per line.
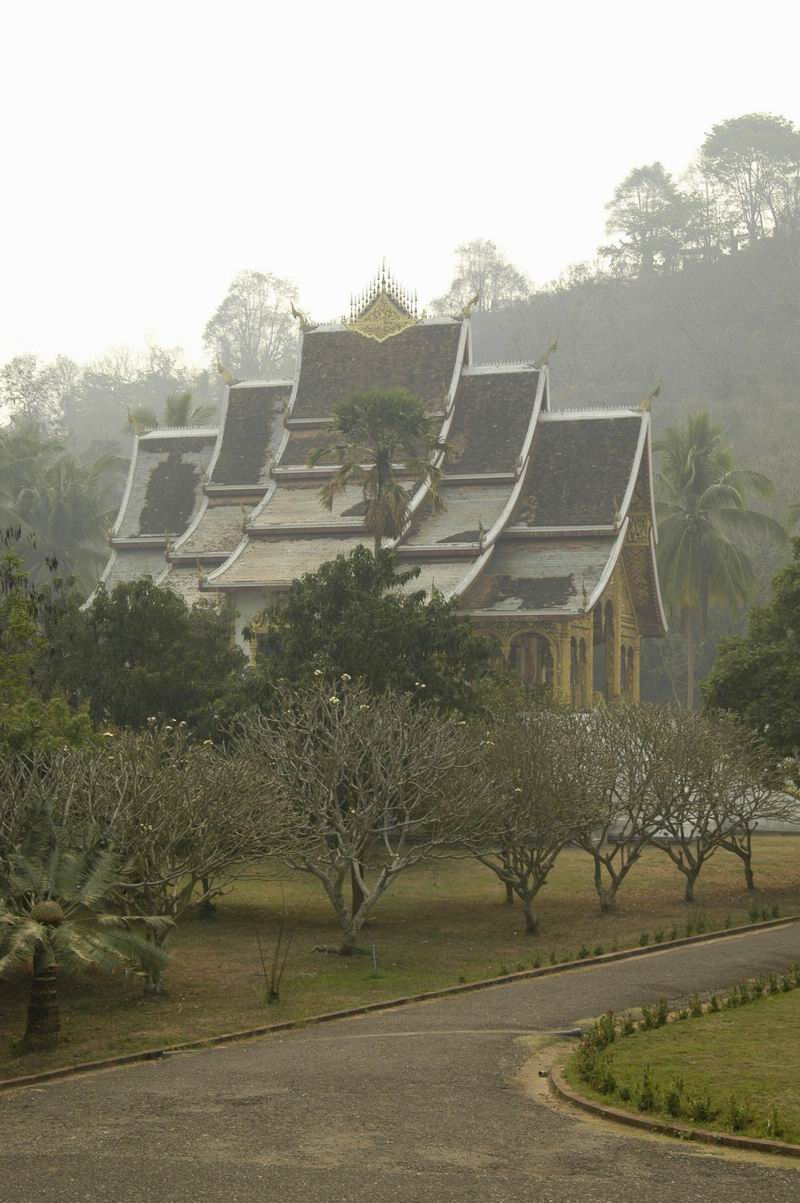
point(540, 506)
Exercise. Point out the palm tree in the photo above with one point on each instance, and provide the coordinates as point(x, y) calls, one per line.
point(52, 904)
point(60, 504)
point(380, 439)
point(178, 411)
point(703, 515)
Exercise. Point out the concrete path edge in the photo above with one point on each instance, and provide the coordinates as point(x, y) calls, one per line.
point(755, 1144)
point(155, 1054)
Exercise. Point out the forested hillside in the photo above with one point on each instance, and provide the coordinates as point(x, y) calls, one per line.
point(722, 336)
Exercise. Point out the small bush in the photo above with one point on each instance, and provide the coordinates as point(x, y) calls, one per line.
point(598, 950)
point(644, 939)
point(673, 1096)
point(794, 973)
point(713, 1003)
point(583, 953)
point(699, 1109)
point(773, 984)
point(552, 958)
point(536, 963)
point(662, 1012)
point(689, 928)
point(786, 983)
point(628, 1026)
point(658, 937)
point(765, 914)
point(695, 1006)
point(776, 914)
point(700, 924)
point(605, 1031)
point(648, 1019)
point(503, 970)
point(646, 1094)
point(727, 923)
point(682, 1014)
point(776, 1128)
point(673, 935)
point(744, 994)
point(737, 1115)
point(758, 987)
point(754, 914)
point(624, 1092)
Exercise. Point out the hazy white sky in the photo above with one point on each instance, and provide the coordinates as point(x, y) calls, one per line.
point(152, 149)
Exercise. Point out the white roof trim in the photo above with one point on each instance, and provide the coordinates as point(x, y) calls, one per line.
point(500, 369)
point(474, 572)
point(611, 564)
point(126, 496)
point(580, 415)
point(177, 432)
point(261, 384)
point(637, 460)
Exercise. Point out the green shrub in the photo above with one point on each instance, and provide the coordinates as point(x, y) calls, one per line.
point(673, 935)
point(700, 1109)
point(753, 914)
point(776, 1128)
point(713, 1003)
point(628, 1026)
point(662, 1012)
point(776, 912)
point(582, 953)
point(695, 1006)
point(646, 1095)
point(624, 1092)
point(737, 1115)
point(598, 950)
point(644, 939)
point(673, 1096)
point(658, 937)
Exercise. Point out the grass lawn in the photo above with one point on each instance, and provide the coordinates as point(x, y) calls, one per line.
point(439, 924)
point(750, 1055)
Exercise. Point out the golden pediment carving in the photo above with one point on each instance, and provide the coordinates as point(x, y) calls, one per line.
point(381, 319)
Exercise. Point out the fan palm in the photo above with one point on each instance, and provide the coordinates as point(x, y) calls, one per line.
point(178, 411)
point(53, 911)
point(703, 518)
point(382, 439)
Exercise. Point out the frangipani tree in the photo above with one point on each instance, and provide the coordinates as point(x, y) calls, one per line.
point(366, 785)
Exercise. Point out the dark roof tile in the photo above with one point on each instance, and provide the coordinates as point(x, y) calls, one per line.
point(492, 415)
point(579, 471)
point(246, 436)
point(337, 362)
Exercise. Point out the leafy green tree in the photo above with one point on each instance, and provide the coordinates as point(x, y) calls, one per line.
point(29, 721)
point(652, 216)
point(139, 652)
point(355, 617)
point(703, 520)
point(757, 675)
point(382, 439)
point(57, 902)
point(756, 160)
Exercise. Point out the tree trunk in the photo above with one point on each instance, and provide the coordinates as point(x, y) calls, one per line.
point(606, 895)
point(691, 878)
point(506, 859)
point(206, 909)
point(44, 1023)
point(355, 887)
point(531, 922)
point(749, 880)
point(690, 660)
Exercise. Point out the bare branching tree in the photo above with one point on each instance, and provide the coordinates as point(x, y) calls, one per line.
point(627, 742)
point(542, 768)
point(366, 785)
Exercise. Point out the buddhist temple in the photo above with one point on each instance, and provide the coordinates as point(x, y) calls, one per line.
point(547, 536)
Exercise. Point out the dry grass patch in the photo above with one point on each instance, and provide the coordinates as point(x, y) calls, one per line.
point(441, 923)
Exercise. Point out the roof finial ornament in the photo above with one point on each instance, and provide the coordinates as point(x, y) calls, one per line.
point(471, 304)
point(646, 404)
point(544, 359)
point(302, 318)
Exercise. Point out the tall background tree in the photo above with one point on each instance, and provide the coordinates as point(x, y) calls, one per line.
point(252, 333)
point(483, 271)
point(755, 159)
point(653, 218)
point(703, 523)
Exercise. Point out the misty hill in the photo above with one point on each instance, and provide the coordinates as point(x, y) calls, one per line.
point(722, 336)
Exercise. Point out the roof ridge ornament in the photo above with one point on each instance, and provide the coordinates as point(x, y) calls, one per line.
point(383, 309)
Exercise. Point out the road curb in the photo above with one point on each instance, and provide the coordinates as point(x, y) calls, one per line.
point(755, 1144)
point(156, 1054)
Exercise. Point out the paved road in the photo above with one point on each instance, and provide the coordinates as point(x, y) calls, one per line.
point(425, 1104)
